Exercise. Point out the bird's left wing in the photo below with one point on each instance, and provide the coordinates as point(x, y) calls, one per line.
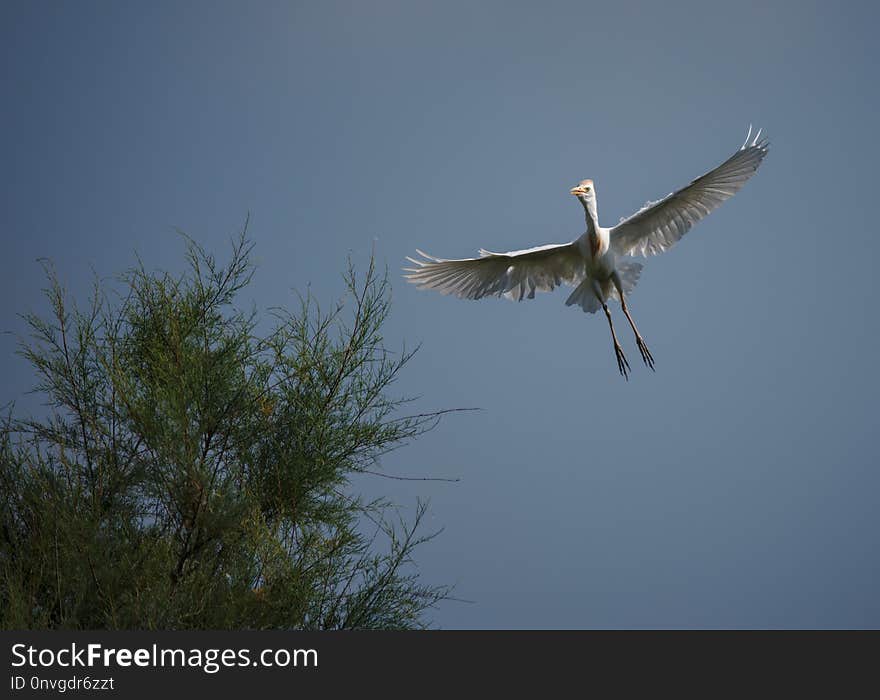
point(516, 275)
point(657, 226)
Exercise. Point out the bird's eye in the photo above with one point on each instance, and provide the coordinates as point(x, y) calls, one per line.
point(586, 189)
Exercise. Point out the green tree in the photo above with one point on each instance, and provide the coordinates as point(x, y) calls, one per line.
point(194, 473)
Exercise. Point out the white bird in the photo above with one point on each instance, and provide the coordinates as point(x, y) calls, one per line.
point(596, 263)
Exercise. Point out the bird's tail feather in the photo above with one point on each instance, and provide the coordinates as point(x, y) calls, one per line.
point(629, 272)
point(584, 296)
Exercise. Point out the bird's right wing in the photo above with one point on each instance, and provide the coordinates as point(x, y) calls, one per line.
point(516, 275)
point(657, 226)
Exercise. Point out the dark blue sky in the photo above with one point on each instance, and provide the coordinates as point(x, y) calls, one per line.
point(736, 487)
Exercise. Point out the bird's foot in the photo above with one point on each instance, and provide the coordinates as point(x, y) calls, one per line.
point(622, 364)
point(647, 357)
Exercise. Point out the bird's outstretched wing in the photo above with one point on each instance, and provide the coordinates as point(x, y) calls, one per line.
point(658, 225)
point(517, 274)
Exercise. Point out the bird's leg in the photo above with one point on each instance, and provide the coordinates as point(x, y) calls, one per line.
point(622, 364)
point(647, 357)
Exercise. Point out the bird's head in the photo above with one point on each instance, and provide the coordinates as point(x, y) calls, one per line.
point(586, 193)
point(583, 190)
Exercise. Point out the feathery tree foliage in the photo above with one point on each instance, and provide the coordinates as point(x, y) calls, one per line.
point(193, 473)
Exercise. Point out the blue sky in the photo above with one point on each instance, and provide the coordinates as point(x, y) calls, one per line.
point(737, 486)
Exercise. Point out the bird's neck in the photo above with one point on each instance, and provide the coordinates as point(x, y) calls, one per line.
point(592, 220)
point(590, 212)
point(596, 238)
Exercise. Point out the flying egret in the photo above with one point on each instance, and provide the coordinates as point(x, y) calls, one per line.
point(596, 264)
